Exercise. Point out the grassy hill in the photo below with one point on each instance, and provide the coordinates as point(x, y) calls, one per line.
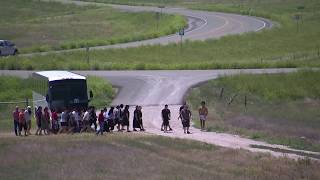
point(283, 46)
point(43, 26)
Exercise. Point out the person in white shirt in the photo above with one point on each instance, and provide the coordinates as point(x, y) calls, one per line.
point(85, 120)
point(106, 117)
point(63, 121)
point(27, 116)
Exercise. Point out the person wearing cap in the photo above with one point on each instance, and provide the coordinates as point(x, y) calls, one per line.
point(15, 115)
point(27, 117)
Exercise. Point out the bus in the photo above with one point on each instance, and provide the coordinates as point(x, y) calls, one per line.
point(60, 90)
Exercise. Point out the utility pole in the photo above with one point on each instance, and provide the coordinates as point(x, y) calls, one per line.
point(87, 53)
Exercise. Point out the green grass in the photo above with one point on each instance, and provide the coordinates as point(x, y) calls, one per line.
point(280, 108)
point(134, 156)
point(14, 89)
point(37, 26)
point(281, 46)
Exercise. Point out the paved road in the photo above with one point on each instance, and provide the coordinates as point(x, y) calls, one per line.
point(149, 88)
point(202, 25)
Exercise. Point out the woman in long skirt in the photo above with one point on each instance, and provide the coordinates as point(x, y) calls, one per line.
point(135, 119)
point(126, 115)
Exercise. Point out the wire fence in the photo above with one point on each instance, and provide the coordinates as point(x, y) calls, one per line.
point(295, 56)
point(7, 108)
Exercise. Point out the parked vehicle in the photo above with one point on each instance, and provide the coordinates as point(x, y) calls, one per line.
point(60, 90)
point(7, 48)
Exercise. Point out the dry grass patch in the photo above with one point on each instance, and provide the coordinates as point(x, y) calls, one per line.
point(139, 156)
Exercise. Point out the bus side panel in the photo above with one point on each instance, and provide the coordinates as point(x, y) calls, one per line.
point(39, 100)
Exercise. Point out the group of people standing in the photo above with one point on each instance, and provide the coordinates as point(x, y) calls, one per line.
point(185, 116)
point(22, 120)
point(119, 117)
point(77, 120)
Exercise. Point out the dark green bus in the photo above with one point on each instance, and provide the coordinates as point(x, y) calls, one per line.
point(60, 90)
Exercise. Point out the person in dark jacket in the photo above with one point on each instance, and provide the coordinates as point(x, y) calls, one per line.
point(93, 117)
point(166, 116)
point(137, 119)
point(15, 115)
point(125, 118)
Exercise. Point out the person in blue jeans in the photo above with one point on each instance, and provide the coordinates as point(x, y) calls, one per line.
point(15, 115)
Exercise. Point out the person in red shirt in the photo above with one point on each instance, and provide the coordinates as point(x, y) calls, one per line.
point(54, 121)
point(22, 123)
point(101, 122)
point(15, 115)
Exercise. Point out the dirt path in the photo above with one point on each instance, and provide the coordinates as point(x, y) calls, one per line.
point(152, 120)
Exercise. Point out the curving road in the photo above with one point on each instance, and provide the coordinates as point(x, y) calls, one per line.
point(202, 25)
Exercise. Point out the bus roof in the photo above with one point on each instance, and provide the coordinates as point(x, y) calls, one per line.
point(59, 75)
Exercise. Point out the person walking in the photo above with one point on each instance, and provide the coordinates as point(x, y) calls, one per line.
point(54, 121)
point(22, 123)
point(166, 115)
point(126, 116)
point(45, 121)
point(120, 124)
point(140, 122)
point(93, 118)
point(85, 120)
point(111, 118)
point(135, 123)
point(27, 116)
point(39, 116)
point(77, 118)
point(185, 119)
point(63, 121)
point(118, 115)
point(15, 115)
point(106, 117)
point(203, 113)
point(101, 122)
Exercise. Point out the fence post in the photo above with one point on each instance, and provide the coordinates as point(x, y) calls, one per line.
point(221, 92)
point(27, 102)
point(87, 53)
point(245, 102)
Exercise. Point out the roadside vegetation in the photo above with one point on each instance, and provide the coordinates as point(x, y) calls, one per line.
point(37, 26)
point(17, 92)
point(277, 108)
point(87, 156)
point(284, 46)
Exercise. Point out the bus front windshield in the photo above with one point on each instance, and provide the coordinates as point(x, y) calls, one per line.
point(68, 90)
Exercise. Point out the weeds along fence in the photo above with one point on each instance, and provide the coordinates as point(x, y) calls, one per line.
point(6, 109)
point(242, 101)
point(310, 55)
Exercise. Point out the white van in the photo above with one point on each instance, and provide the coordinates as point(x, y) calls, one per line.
point(7, 48)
